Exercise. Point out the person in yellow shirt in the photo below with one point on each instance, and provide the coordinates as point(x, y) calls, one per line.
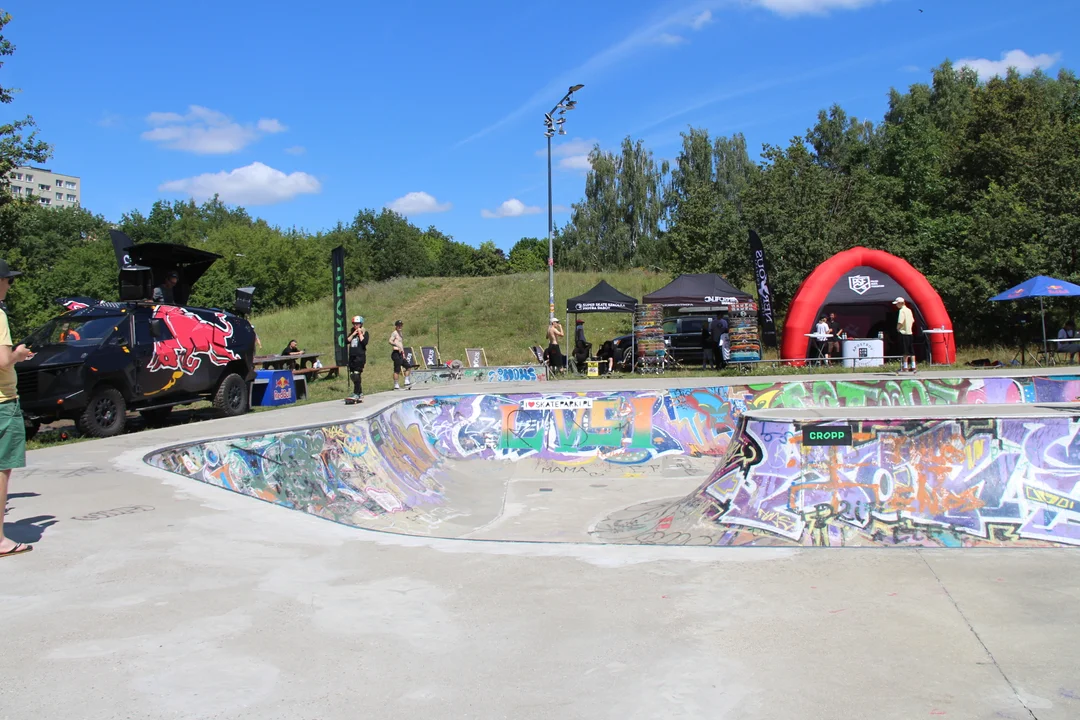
point(905, 324)
point(12, 428)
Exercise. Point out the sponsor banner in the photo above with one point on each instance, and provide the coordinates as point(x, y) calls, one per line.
point(341, 320)
point(587, 307)
point(556, 403)
point(761, 279)
point(827, 435)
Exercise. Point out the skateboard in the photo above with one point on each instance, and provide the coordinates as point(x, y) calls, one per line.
point(352, 401)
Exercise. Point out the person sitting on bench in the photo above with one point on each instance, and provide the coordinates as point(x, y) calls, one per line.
point(582, 348)
point(291, 349)
point(607, 354)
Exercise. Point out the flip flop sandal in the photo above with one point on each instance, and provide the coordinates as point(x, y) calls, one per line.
point(17, 550)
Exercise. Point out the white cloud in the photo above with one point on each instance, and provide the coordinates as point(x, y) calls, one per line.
point(559, 209)
point(811, 7)
point(206, 132)
point(254, 184)
point(670, 39)
point(577, 146)
point(1018, 59)
point(701, 20)
point(296, 150)
point(418, 203)
point(270, 126)
point(511, 208)
point(575, 162)
point(910, 69)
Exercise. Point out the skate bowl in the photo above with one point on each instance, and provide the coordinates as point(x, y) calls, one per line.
point(953, 462)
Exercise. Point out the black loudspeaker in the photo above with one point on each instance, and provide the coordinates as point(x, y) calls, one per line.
point(242, 305)
point(136, 283)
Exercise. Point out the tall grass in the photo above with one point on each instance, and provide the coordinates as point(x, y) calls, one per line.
point(505, 315)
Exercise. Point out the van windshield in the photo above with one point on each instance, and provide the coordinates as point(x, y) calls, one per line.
point(85, 332)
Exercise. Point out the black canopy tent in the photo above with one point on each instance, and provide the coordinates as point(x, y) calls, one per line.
point(602, 298)
point(704, 291)
point(190, 264)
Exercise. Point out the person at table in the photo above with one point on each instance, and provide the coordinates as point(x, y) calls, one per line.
point(905, 325)
point(291, 349)
point(836, 334)
point(1067, 333)
point(358, 342)
point(821, 338)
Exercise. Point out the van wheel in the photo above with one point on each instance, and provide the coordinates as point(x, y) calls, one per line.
point(104, 415)
point(231, 397)
point(32, 427)
point(156, 417)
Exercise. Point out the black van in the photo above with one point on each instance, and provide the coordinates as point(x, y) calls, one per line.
point(96, 361)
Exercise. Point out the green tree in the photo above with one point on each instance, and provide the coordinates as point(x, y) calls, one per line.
point(707, 229)
point(19, 144)
point(528, 255)
point(618, 223)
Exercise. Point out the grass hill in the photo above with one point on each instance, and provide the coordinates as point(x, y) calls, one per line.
point(505, 315)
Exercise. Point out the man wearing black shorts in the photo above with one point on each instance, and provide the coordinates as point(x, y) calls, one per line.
point(905, 324)
point(397, 342)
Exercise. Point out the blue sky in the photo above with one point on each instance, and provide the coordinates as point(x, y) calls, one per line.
point(305, 113)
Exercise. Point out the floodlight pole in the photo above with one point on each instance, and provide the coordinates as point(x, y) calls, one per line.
point(551, 240)
point(549, 123)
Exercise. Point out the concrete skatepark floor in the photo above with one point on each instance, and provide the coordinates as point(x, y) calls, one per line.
point(153, 595)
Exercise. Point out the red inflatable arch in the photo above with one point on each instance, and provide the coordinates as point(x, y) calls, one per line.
point(810, 300)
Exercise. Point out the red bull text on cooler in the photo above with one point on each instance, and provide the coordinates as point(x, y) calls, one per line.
point(283, 389)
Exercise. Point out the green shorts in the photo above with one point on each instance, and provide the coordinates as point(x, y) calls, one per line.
point(12, 436)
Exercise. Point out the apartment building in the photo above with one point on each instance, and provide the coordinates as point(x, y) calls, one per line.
point(47, 187)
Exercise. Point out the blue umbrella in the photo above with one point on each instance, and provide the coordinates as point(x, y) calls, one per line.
point(1040, 286)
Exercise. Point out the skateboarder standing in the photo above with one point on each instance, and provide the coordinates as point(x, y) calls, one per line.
point(358, 340)
point(397, 342)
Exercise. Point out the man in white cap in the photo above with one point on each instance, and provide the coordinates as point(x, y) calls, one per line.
point(358, 340)
point(905, 323)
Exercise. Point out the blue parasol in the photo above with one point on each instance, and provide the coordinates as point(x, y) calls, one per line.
point(1039, 286)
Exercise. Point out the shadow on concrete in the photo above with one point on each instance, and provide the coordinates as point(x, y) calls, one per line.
point(29, 530)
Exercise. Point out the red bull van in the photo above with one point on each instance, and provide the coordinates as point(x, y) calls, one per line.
point(99, 360)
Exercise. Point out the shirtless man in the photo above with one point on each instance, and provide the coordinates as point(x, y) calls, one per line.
point(397, 342)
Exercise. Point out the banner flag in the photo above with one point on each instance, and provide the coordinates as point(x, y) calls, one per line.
point(341, 320)
point(761, 279)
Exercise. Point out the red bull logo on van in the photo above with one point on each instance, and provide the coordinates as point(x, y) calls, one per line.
point(194, 337)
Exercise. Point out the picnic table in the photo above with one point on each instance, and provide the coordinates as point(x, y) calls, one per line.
point(282, 362)
point(270, 362)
